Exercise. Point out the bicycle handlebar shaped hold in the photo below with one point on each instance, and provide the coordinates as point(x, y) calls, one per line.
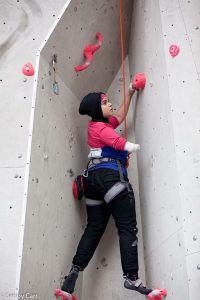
point(139, 81)
point(157, 294)
point(89, 51)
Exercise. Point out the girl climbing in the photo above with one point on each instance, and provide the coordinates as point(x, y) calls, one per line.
point(107, 191)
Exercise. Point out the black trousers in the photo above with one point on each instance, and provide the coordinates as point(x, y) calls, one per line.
point(122, 208)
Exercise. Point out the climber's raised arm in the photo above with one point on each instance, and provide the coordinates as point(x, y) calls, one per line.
point(120, 112)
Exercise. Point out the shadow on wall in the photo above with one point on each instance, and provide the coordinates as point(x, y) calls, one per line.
point(18, 24)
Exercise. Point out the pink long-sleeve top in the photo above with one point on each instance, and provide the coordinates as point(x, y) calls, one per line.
point(102, 134)
point(105, 142)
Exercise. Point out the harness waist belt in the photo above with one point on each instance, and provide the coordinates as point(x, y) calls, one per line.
point(96, 161)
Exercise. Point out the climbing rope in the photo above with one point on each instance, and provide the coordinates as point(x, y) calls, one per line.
point(122, 56)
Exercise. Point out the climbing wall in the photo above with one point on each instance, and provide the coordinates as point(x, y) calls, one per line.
point(43, 142)
point(54, 221)
point(24, 25)
point(59, 151)
point(167, 127)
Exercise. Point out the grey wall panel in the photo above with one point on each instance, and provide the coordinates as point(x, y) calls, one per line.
point(193, 272)
point(14, 123)
point(167, 127)
point(165, 267)
point(53, 218)
point(11, 202)
point(154, 131)
point(184, 96)
point(24, 24)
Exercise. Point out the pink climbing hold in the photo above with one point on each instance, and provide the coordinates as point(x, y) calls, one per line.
point(174, 50)
point(28, 69)
point(65, 296)
point(139, 81)
point(89, 51)
point(157, 294)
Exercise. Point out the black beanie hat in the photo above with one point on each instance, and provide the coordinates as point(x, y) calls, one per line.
point(91, 106)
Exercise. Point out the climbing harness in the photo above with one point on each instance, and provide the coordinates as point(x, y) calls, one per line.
point(118, 187)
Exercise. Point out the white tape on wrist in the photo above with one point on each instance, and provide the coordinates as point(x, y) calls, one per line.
point(131, 88)
point(130, 147)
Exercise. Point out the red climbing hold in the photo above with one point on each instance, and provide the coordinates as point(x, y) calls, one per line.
point(65, 296)
point(89, 51)
point(139, 81)
point(28, 70)
point(157, 294)
point(174, 50)
point(78, 188)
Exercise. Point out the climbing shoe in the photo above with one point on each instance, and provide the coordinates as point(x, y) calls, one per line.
point(137, 286)
point(70, 280)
